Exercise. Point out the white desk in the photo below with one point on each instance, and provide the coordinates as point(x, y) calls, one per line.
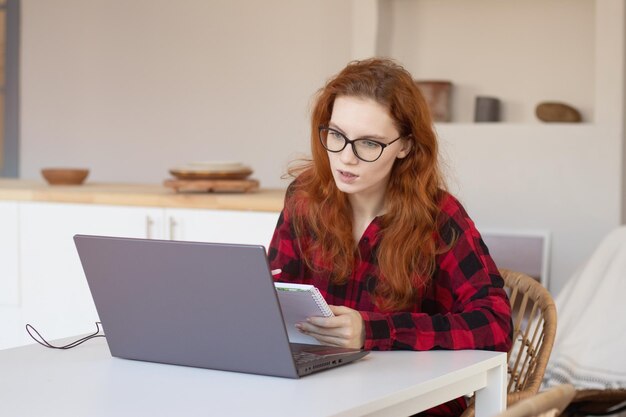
point(87, 381)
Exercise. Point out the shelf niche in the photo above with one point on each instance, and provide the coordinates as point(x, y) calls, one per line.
point(522, 53)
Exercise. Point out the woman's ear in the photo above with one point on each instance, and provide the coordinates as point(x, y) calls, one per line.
point(407, 146)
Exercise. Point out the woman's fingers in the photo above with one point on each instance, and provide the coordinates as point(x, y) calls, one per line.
point(334, 329)
point(346, 328)
point(322, 335)
point(327, 322)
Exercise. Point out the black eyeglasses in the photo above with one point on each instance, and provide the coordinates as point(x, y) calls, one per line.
point(365, 149)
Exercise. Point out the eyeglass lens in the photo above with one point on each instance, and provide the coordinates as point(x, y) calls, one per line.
point(364, 149)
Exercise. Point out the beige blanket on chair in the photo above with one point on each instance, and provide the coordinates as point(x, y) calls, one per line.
point(590, 346)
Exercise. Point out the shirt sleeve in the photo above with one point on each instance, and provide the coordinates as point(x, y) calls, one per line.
point(466, 287)
point(282, 252)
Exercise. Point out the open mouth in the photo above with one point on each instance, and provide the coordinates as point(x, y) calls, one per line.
point(347, 176)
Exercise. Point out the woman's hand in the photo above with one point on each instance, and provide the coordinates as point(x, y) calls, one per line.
point(346, 329)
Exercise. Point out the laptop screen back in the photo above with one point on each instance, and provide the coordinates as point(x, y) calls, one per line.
point(196, 304)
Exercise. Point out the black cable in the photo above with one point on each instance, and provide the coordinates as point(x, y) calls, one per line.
point(44, 342)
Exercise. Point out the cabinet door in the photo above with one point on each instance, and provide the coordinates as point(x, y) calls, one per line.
point(221, 226)
point(10, 311)
point(56, 297)
point(9, 285)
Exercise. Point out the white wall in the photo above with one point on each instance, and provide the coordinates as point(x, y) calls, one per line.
point(561, 179)
point(522, 52)
point(130, 88)
point(521, 174)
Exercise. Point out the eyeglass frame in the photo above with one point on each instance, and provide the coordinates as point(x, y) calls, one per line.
point(351, 142)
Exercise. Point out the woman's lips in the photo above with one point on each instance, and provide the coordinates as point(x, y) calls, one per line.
point(347, 177)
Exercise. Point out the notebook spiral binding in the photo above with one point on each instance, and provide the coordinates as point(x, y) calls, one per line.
point(321, 303)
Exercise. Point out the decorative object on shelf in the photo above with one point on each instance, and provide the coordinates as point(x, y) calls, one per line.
point(186, 174)
point(65, 176)
point(437, 94)
point(211, 170)
point(487, 109)
point(230, 186)
point(556, 112)
point(212, 177)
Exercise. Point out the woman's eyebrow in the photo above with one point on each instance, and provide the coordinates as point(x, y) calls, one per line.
point(372, 136)
point(334, 126)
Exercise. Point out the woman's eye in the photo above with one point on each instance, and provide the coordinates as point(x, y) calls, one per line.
point(370, 144)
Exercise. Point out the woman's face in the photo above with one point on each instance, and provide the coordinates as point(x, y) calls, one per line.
point(359, 118)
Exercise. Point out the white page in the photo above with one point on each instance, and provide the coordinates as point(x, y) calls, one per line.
point(298, 302)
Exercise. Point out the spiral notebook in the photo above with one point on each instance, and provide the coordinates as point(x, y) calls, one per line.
point(297, 302)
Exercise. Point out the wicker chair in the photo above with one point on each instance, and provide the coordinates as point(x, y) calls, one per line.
point(549, 403)
point(534, 329)
point(595, 402)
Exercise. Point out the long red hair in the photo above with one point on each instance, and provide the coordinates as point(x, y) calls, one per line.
point(408, 246)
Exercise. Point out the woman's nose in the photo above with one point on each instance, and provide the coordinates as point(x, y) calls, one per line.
point(347, 156)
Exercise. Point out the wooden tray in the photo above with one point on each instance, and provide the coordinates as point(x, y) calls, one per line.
point(187, 174)
point(232, 186)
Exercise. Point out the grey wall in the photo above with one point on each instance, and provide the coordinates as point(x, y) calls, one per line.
point(11, 151)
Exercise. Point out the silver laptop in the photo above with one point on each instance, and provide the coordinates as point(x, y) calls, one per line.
point(205, 305)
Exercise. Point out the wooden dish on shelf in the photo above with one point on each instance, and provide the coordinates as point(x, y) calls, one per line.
point(65, 176)
point(213, 185)
point(198, 174)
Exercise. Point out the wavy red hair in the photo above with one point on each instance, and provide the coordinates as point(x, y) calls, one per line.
point(406, 255)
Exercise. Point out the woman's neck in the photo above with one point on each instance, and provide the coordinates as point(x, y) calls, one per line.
point(364, 210)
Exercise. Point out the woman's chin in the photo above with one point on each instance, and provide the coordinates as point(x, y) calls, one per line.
point(346, 188)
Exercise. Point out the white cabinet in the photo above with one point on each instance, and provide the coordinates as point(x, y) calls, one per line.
point(221, 226)
point(10, 311)
point(56, 298)
point(9, 284)
point(42, 280)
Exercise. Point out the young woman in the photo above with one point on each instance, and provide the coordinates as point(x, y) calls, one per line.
point(368, 222)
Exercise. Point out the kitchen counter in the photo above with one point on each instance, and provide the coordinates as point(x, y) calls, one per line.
point(150, 195)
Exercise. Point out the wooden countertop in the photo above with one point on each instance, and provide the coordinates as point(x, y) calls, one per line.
point(150, 195)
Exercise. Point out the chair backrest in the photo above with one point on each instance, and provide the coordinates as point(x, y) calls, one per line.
point(534, 330)
point(597, 402)
point(549, 403)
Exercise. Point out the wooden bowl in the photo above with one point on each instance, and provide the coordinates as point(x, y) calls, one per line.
point(65, 176)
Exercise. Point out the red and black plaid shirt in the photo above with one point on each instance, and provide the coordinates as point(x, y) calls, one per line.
point(464, 306)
